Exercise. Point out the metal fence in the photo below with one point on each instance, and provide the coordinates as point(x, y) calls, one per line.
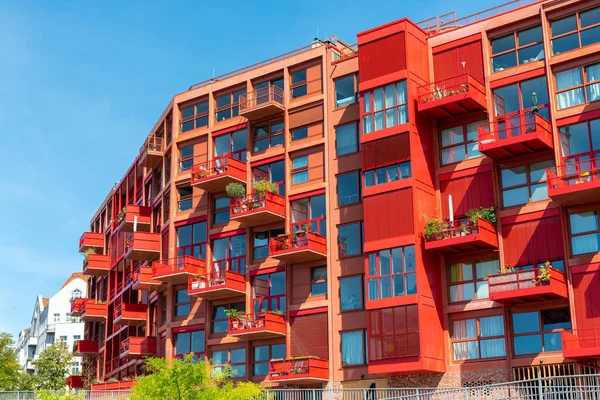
point(77, 394)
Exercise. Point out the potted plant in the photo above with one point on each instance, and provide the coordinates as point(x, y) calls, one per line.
point(464, 231)
point(112, 380)
point(432, 228)
point(235, 190)
point(544, 275)
point(263, 186)
point(234, 316)
point(198, 282)
point(86, 255)
point(489, 214)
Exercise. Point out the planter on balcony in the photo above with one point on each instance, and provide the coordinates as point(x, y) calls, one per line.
point(131, 217)
point(217, 285)
point(463, 235)
point(258, 209)
point(298, 247)
point(521, 286)
point(214, 175)
point(451, 97)
point(575, 183)
point(259, 326)
point(298, 370)
point(262, 103)
point(176, 270)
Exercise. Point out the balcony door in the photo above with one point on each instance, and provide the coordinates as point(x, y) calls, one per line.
point(262, 91)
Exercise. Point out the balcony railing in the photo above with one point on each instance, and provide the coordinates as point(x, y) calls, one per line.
point(215, 174)
point(91, 310)
point(82, 347)
point(298, 247)
point(452, 97)
point(262, 102)
point(137, 347)
point(575, 183)
point(142, 246)
point(142, 279)
point(217, 284)
point(177, 269)
point(258, 326)
point(96, 264)
point(299, 370)
point(258, 208)
point(581, 344)
point(516, 134)
point(523, 286)
point(463, 235)
point(132, 217)
point(91, 241)
point(151, 152)
point(130, 314)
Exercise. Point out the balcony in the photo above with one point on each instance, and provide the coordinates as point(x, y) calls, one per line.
point(298, 247)
point(298, 371)
point(137, 347)
point(581, 344)
point(134, 218)
point(142, 279)
point(94, 311)
point(130, 314)
point(32, 341)
point(452, 97)
point(142, 246)
point(177, 270)
point(260, 326)
point(85, 347)
point(462, 236)
point(214, 175)
point(262, 103)
point(91, 241)
point(74, 382)
point(521, 287)
point(515, 135)
point(77, 306)
point(258, 209)
point(151, 153)
point(217, 285)
point(575, 183)
point(96, 264)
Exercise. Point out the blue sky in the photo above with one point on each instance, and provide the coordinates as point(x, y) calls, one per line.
point(83, 83)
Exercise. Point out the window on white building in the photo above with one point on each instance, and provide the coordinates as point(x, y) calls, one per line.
point(62, 339)
point(56, 317)
point(75, 368)
point(76, 337)
point(76, 294)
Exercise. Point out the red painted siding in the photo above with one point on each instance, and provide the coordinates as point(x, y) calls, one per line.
point(448, 63)
point(386, 151)
point(467, 192)
point(309, 336)
point(382, 57)
point(586, 287)
point(388, 215)
point(532, 241)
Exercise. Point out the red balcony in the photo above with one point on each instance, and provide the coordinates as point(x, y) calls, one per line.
point(260, 326)
point(575, 183)
point(138, 218)
point(93, 311)
point(213, 176)
point(298, 371)
point(96, 264)
point(463, 235)
point(142, 246)
point(521, 287)
point(217, 285)
point(85, 347)
point(112, 386)
point(152, 151)
point(298, 247)
point(91, 241)
point(74, 381)
point(177, 270)
point(451, 97)
point(515, 135)
point(130, 314)
point(77, 306)
point(137, 347)
point(142, 279)
point(582, 344)
point(258, 209)
point(262, 103)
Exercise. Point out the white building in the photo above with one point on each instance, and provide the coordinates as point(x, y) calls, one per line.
point(51, 321)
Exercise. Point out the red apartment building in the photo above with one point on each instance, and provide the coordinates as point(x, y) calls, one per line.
point(335, 278)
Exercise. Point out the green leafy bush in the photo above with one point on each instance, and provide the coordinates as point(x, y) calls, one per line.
point(235, 189)
point(263, 186)
point(489, 214)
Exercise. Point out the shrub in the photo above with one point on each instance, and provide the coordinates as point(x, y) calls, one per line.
point(488, 214)
point(235, 189)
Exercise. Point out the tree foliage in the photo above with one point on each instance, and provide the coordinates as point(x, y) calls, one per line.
point(185, 380)
point(53, 366)
point(10, 370)
point(64, 395)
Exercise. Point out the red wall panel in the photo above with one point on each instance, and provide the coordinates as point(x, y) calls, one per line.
point(393, 333)
point(448, 63)
point(388, 215)
point(309, 336)
point(586, 287)
point(467, 192)
point(532, 241)
point(386, 151)
point(383, 56)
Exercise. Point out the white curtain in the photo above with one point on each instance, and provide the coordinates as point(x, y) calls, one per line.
point(367, 124)
point(352, 348)
point(345, 137)
point(565, 80)
point(592, 74)
point(585, 244)
point(465, 329)
point(492, 326)
point(402, 99)
point(378, 99)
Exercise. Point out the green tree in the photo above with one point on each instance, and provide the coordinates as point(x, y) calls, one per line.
point(10, 370)
point(53, 366)
point(185, 380)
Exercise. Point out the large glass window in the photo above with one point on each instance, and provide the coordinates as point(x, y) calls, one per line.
point(228, 105)
point(235, 358)
point(539, 331)
point(274, 172)
point(392, 273)
point(585, 232)
point(578, 86)
point(353, 347)
point(519, 47)
point(299, 133)
point(220, 322)
point(185, 198)
point(519, 96)
point(233, 143)
point(189, 342)
point(194, 116)
point(263, 354)
point(525, 184)
point(578, 30)
point(299, 84)
point(350, 241)
point(309, 213)
point(220, 210)
point(346, 139)
point(191, 240)
point(386, 174)
point(580, 142)
point(351, 293)
point(182, 303)
point(299, 170)
point(268, 135)
point(318, 281)
point(468, 281)
point(261, 242)
point(229, 254)
point(348, 188)
point(478, 338)
point(346, 90)
point(268, 292)
point(385, 107)
point(460, 143)
point(186, 158)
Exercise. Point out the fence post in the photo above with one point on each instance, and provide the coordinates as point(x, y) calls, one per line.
point(540, 392)
point(314, 394)
point(417, 394)
point(466, 393)
point(365, 393)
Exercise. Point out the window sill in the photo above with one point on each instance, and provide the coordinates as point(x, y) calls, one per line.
point(478, 360)
point(361, 255)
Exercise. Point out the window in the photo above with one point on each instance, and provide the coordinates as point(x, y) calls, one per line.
point(195, 116)
point(185, 199)
point(76, 294)
point(386, 174)
point(348, 188)
point(191, 240)
point(481, 337)
point(186, 158)
point(262, 356)
point(274, 172)
point(189, 342)
point(346, 90)
point(351, 293)
point(392, 273)
point(353, 347)
point(62, 338)
point(220, 322)
point(585, 232)
point(182, 303)
point(50, 338)
point(75, 368)
point(233, 143)
point(394, 333)
point(299, 133)
point(460, 143)
point(525, 184)
point(318, 281)
point(220, 210)
point(346, 139)
point(261, 242)
point(580, 142)
point(56, 317)
point(578, 30)
point(67, 317)
point(268, 292)
point(228, 105)
point(299, 170)
point(520, 47)
point(385, 107)
point(309, 213)
point(229, 254)
point(468, 281)
point(556, 264)
point(350, 241)
point(76, 338)
point(519, 96)
point(236, 358)
point(578, 86)
point(539, 331)
point(299, 84)
point(268, 135)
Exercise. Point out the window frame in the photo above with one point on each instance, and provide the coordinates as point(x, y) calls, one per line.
point(314, 282)
point(195, 118)
point(577, 30)
point(270, 234)
point(184, 200)
point(364, 348)
point(188, 249)
point(361, 279)
point(298, 84)
point(361, 240)
point(318, 221)
point(516, 48)
point(199, 354)
point(303, 127)
point(230, 364)
point(465, 143)
point(226, 306)
point(356, 138)
point(541, 332)
point(371, 107)
point(177, 305)
point(584, 233)
point(220, 211)
point(584, 84)
point(372, 172)
point(355, 82)
point(474, 279)
point(254, 362)
point(379, 277)
point(240, 154)
point(280, 184)
point(239, 261)
point(233, 104)
point(269, 136)
point(358, 175)
point(280, 299)
point(477, 339)
point(299, 170)
point(507, 115)
point(183, 159)
point(529, 183)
